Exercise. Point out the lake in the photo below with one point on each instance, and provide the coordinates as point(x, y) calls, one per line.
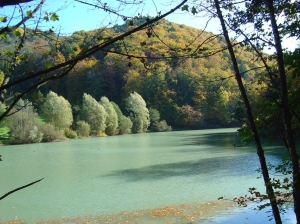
point(125, 174)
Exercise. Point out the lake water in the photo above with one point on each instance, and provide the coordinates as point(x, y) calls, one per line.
point(111, 175)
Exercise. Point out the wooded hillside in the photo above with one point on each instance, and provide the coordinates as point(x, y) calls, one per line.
point(189, 92)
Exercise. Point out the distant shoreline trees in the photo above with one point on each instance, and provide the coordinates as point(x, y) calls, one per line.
point(94, 118)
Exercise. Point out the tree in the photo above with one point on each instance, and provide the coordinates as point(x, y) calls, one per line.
point(93, 113)
point(124, 123)
point(47, 69)
point(24, 124)
point(82, 129)
point(156, 123)
point(57, 110)
point(255, 13)
point(260, 151)
point(138, 112)
point(111, 121)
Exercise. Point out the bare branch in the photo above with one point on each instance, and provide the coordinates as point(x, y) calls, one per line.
point(19, 188)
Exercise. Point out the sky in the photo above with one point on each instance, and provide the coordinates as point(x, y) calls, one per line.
point(74, 16)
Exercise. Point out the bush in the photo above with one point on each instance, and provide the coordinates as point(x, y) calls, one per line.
point(50, 133)
point(24, 135)
point(162, 126)
point(69, 133)
point(83, 129)
point(125, 125)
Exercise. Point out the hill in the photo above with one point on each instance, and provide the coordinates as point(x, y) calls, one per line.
point(183, 72)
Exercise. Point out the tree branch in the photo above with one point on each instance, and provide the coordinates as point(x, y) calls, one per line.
point(19, 188)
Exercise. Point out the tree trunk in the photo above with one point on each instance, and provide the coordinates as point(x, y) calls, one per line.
point(287, 115)
point(260, 151)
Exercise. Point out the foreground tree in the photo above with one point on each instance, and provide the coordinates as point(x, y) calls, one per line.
point(256, 13)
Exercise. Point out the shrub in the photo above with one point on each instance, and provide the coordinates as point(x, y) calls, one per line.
point(83, 129)
point(24, 135)
point(69, 133)
point(50, 133)
point(162, 126)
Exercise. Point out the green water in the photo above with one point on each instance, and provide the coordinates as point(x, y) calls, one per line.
point(125, 173)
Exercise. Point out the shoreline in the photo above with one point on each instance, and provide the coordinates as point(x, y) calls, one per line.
point(204, 213)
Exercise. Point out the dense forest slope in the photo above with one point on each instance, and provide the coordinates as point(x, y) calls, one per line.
point(182, 72)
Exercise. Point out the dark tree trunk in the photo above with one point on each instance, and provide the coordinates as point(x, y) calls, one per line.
point(260, 151)
point(287, 115)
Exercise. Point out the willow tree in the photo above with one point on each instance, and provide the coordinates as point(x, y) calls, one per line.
point(93, 113)
point(57, 110)
point(138, 112)
point(111, 121)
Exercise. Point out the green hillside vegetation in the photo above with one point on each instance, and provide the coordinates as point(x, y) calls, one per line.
point(192, 92)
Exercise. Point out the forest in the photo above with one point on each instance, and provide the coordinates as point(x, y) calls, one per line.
point(187, 93)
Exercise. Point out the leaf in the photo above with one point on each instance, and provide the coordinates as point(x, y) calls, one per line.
point(143, 43)
point(3, 19)
point(54, 17)
point(100, 38)
point(8, 53)
point(17, 33)
point(4, 35)
point(185, 8)
point(48, 64)
point(194, 10)
point(46, 18)
point(29, 13)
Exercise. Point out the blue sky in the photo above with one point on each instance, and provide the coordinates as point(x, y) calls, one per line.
point(74, 16)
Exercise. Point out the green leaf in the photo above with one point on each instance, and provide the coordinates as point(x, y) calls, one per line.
point(194, 10)
point(29, 13)
point(46, 18)
point(48, 64)
point(100, 38)
point(185, 8)
point(4, 35)
point(8, 53)
point(17, 33)
point(54, 17)
point(3, 19)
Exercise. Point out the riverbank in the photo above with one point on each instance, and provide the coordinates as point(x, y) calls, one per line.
point(210, 212)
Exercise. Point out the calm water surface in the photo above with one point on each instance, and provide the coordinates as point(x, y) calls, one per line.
point(125, 173)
